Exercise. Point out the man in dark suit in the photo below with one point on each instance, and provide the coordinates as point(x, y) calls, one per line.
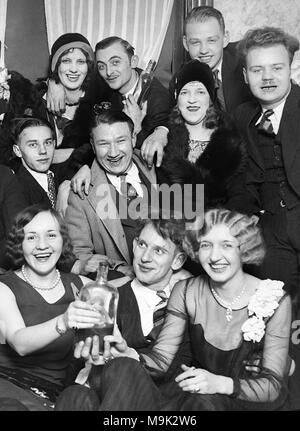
point(11, 202)
point(271, 129)
point(206, 39)
point(34, 145)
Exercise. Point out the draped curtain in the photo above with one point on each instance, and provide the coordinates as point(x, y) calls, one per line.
point(143, 23)
point(3, 10)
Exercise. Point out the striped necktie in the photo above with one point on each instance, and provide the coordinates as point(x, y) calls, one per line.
point(127, 189)
point(265, 123)
point(158, 315)
point(51, 189)
point(219, 90)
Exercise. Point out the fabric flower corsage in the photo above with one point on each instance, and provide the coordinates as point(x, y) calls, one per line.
point(4, 86)
point(261, 306)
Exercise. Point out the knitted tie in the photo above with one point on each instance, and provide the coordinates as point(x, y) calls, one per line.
point(51, 189)
point(219, 90)
point(158, 315)
point(127, 190)
point(265, 122)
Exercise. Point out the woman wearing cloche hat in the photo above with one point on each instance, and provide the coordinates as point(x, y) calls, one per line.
point(203, 145)
point(71, 64)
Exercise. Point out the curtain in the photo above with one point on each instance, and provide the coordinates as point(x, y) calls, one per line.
point(3, 10)
point(143, 23)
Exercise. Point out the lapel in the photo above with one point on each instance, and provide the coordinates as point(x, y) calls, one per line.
point(33, 190)
point(252, 146)
point(102, 191)
point(289, 130)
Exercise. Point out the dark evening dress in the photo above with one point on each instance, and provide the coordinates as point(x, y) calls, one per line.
point(37, 379)
point(219, 347)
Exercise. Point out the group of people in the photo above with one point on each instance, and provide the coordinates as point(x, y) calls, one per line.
point(206, 304)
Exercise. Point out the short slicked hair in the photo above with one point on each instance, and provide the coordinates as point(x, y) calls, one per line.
point(202, 14)
point(108, 41)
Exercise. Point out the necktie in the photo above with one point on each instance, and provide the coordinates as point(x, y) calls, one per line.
point(158, 315)
point(51, 189)
point(219, 90)
point(265, 122)
point(127, 190)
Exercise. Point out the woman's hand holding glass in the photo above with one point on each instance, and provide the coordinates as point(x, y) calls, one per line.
point(80, 315)
point(200, 381)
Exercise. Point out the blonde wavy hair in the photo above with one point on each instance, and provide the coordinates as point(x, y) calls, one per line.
point(243, 227)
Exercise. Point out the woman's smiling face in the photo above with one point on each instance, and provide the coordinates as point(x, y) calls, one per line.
point(42, 244)
point(73, 69)
point(193, 102)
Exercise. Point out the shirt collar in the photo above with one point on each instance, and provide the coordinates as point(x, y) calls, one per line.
point(149, 293)
point(131, 91)
point(40, 177)
point(132, 177)
point(275, 118)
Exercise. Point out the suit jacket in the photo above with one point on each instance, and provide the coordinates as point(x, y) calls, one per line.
point(289, 134)
point(158, 108)
point(32, 191)
point(90, 229)
point(235, 89)
point(11, 202)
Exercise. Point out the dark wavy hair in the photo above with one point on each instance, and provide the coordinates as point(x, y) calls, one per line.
point(108, 41)
point(16, 235)
point(266, 37)
point(91, 68)
point(211, 120)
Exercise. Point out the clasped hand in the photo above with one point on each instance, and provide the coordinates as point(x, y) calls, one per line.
point(114, 346)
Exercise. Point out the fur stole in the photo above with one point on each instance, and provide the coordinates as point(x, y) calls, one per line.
point(223, 158)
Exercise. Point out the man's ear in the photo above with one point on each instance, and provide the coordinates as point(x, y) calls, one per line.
point(226, 39)
point(92, 144)
point(178, 261)
point(134, 61)
point(17, 150)
point(245, 76)
point(184, 41)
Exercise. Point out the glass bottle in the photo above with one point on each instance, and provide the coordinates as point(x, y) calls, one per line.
point(104, 298)
point(143, 85)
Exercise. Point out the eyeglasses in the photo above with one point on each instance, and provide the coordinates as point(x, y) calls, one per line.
point(103, 106)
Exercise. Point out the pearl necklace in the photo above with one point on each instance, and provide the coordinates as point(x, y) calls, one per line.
point(227, 305)
point(26, 278)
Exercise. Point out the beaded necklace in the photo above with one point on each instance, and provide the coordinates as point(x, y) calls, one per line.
point(227, 305)
point(27, 279)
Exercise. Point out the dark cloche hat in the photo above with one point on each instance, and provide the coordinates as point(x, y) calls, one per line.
point(68, 41)
point(194, 70)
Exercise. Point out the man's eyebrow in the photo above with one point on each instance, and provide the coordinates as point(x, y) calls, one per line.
point(111, 58)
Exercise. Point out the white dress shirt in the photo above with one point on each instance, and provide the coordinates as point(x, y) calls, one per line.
point(132, 178)
point(275, 118)
point(147, 300)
